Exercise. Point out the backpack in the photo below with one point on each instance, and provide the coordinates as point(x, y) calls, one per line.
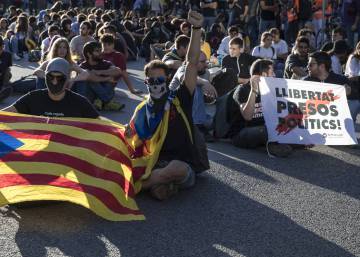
point(305, 10)
point(272, 48)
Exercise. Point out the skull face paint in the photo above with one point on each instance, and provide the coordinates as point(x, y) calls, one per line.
point(157, 91)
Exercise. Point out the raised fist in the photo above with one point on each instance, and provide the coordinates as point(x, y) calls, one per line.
point(195, 19)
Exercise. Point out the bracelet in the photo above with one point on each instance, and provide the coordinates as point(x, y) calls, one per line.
point(193, 27)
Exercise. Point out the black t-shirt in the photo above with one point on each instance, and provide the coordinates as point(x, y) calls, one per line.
point(39, 103)
point(209, 12)
point(241, 65)
point(101, 65)
point(241, 96)
point(5, 63)
point(177, 144)
point(292, 61)
point(265, 14)
point(337, 79)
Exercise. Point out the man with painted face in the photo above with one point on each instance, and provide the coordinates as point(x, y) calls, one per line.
point(56, 100)
point(176, 164)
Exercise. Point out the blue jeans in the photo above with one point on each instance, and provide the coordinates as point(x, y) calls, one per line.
point(93, 90)
point(354, 106)
point(198, 112)
point(266, 25)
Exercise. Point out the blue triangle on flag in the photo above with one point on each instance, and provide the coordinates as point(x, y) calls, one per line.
point(8, 144)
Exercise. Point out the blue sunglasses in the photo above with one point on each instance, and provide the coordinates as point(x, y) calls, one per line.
point(155, 81)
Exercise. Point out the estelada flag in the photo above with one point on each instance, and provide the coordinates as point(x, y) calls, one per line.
point(88, 162)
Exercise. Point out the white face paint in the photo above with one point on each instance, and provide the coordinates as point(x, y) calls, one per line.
point(157, 91)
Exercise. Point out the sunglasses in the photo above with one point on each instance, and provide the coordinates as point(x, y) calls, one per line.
point(155, 81)
point(59, 78)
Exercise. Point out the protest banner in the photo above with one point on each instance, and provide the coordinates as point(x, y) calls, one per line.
point(303, 112)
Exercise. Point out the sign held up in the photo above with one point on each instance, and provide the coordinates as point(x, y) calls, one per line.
point(303, 112)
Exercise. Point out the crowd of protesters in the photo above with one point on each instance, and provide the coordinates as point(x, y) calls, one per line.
point(292, 39)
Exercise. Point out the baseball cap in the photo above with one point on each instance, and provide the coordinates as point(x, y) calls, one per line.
point(59, 65)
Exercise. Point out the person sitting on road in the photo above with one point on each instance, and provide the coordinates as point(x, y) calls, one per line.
point(78, 42)
point(252, 133)
point(99, 87)
point(238, 61)
point(60, 48)
point(56, 100)
point(296, 62)
point(177, 160)
point(117, 58)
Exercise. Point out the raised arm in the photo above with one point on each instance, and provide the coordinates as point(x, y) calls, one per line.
point(192, 56)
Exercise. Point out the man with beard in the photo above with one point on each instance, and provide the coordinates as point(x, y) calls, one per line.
point(78, 42)
point(296, 63)
point(99, 88)
point(177, 160)
point(56, 100)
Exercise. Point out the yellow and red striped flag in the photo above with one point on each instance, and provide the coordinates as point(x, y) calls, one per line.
point(84, 161)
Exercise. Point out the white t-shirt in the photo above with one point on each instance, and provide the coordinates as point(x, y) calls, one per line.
point(352, 68)
point(266, 53)
point(280, 47)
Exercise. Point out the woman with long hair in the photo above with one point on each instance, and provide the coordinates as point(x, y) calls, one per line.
point(3, 26)
point(59, 48)
point(17, 41)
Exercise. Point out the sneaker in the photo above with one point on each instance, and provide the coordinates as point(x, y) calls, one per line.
point(113, 106)
point(98, 104)
point(16, 57)
point(279, 150)
point(5, 93)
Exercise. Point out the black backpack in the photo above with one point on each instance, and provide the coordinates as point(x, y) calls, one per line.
point(305, 9)
point(225, 81)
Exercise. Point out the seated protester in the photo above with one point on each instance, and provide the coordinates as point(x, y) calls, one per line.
point(56, 100)
point(310, 35)
point(75, 26)
point(175, 58)
point(252, 132)
point(177, 160)
point(238, 61)
point(265, 49)
point(280, 45)
point(59, 48)
point(204, 91)
point(66, 29)
point(99, 88)
point(120, 43)
point(320, 71)
point(5, 72)
point(214, 37)
point(130, 42)
point(117, 58)
point(223, 50)
point(296, 62)
point(78, 42)
point(155, 37)
point(338, 54)
point(337, 33)
point(53, 30)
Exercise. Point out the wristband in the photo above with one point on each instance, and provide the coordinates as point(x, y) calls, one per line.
point(193, 27)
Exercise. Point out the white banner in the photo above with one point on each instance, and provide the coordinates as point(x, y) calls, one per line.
point(302, 112)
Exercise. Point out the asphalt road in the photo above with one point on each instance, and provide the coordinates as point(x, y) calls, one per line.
point(247, 205)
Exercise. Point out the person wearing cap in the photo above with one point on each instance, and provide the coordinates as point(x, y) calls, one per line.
point(56, 100)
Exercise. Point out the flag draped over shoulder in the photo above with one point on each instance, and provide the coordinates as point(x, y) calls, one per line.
point(94, 163)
